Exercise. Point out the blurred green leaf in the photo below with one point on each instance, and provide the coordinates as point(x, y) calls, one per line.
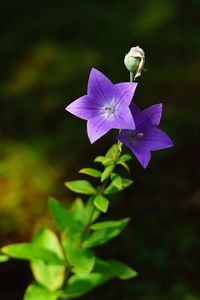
point(89, 209)
point(110, 224)
point(49, 276)
point(78, 211)
point(114, 268)
point(113, 152)
point(103, 160)
point(81, 284)
point(113, 189)
point(30, 251)
point(124, 165)
point(36, 292)
point(125, 157)
point(80, 259)
point(107, 172)
point(101, 203)
point(116, 181)
point(81, 186)
point(61, 215)
point(91, 172)
point(3, 258)
point(104, 232)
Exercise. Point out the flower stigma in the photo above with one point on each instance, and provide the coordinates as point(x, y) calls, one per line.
point(109, 110)
point(132, 136)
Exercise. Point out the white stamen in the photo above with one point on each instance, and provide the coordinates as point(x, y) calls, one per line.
point(140, 135)
point(109, 110)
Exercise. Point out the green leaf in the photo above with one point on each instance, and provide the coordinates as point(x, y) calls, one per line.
point(124, 165)
point(36, 292)
point(114, 268)
point(49, 276)
point(81, 187)
point(113, 152)
point(107, 172)
point(99, 159)
point(3, 258)
point(110, 224)
point(121, 270)
point(82, 260)
point(61, 215)
point(81, 284)
point(125, 157)
point(78, 211)
point(90, 172)
point(113, 189)
point(104, 160)
point(104, 232)
point(89, 209)
point(116, 181)
point(101, 203)
point(30, 251)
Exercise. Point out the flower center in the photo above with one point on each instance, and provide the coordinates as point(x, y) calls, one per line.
point(109, 110)
point(133, 136)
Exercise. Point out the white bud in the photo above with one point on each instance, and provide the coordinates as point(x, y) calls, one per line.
point(134, 60)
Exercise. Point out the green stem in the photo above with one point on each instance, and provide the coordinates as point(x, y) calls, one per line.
point(100, 192)
point(131, 77)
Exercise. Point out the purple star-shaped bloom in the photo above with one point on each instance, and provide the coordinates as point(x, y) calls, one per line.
point(146, 137)
point(105, 106)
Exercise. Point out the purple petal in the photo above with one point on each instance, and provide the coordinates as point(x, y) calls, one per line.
point(142, 154)
point(139, 117)
point(156, 139)
point(96, 128)
point(123, 119)
point(84, 107)
point(124, 92)
point(100, 87)
point(154, 113)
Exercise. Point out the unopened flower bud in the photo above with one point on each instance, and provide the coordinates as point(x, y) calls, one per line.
point(134, 61)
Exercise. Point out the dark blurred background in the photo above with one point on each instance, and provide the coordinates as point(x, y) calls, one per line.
point(47, 50)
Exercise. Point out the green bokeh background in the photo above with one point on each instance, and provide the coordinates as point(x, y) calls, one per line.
point(47, 50)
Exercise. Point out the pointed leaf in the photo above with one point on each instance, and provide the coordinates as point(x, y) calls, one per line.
point(78, 211)
point(113, 152)
point(110, 224)
point(113, 189)
point(35, 291)
point(61, 215)
point(102, 236)
point(101, 203)
point(107, 172)
point(30, 251)
point(49, 276)
point(125, 157)
point(99, 159)
point(103, 160)
point(114, 268)
point(3, 258)
point(90, 172)
point(116, 181)
point(89, 209)
point(81, 284)
point(124, 165)
point(81, 259)
point(81, 187)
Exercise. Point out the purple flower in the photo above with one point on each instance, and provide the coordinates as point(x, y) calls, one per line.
point(146, 137)
point(105, 106)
